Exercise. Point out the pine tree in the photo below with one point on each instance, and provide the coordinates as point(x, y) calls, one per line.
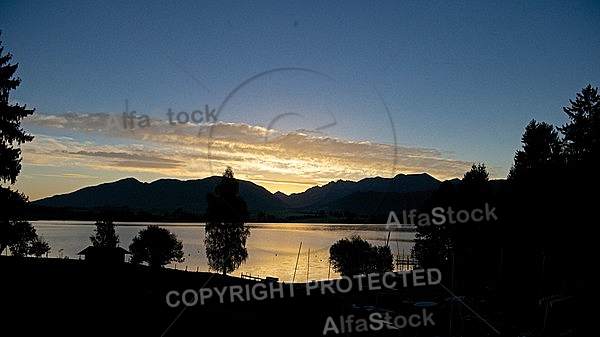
point(582, 134)
point(11, 136)
point(11, 133)
point(541, 155)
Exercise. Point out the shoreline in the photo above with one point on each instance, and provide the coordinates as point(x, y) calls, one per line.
point(361, 226)
point(60, 294)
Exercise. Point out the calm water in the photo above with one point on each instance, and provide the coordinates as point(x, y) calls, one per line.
point(272, 248)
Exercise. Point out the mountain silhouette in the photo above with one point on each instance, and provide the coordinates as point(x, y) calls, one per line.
point(334, 191)
point(160, 195)
point(166, 195)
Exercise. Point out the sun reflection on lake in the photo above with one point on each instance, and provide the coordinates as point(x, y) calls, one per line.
point(272, 248)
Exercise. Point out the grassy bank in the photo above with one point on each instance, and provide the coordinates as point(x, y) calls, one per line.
point(62, 297)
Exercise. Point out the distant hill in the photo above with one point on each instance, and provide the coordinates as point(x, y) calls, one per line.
point(167, 196)
point(333, 192)
point(160, 195)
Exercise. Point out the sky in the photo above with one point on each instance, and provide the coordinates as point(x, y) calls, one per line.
point(289, 94)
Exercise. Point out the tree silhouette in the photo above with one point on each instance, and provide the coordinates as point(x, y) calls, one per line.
point(474, 189)
point(13, 206)
point(433, 244)
point(24, 234)
point(547, 198)
point(156, 246)
point(24, 240)
point(541, 155)
point(472, 242)
point(545, 218)
point(355, 256)
point(381, 260)
point(39, 247)
point(581, 137)
point(582, 134)
point(460, 248)
point(106, 235)
point(226, 232)
point(11, 136)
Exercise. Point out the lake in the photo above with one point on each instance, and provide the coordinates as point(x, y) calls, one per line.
point(272, 247)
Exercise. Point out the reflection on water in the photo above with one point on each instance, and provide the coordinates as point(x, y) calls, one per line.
point(272, 248)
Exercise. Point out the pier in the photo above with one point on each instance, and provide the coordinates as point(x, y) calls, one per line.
point(405, 262)
point(259, 279)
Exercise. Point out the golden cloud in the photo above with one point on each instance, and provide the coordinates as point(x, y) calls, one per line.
point(301, 158)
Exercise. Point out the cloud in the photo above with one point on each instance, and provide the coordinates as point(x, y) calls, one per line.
point(84, 122)
point(302, 158)
point(133, 160)
point(66, 175)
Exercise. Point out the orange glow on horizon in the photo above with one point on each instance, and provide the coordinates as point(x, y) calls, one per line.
point(287, 187)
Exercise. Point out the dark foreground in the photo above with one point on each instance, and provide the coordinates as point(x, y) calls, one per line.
point(71, 297)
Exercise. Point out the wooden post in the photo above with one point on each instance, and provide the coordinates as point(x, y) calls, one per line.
point(308, 265)
point(298, 257)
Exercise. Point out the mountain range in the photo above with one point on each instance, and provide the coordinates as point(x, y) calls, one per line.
point(364, 197)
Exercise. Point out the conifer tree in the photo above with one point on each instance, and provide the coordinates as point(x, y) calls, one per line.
point(11, 133)
point(582, 134)
point(11, 137)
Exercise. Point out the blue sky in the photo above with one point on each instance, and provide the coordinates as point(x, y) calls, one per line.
point(306, 92)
